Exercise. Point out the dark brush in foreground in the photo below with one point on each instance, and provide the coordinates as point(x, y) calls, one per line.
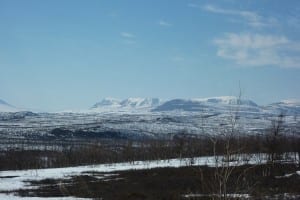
point(175, 183)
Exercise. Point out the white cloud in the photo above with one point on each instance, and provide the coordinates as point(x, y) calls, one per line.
point(252, 18)
point(259, 50)
point(164, 23)
point(128, 38)
point(127, 35)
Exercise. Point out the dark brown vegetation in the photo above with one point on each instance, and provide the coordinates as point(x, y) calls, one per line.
point(215, 182)
point(110, 151)
point(171, 183)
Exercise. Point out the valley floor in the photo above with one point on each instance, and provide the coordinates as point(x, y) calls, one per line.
point(189, 178)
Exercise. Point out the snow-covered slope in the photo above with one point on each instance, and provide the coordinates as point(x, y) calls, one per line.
point(286, 107)
point(228, 100)
point(130, 105)
point(5, 107)
point(181, 104)
point(214, 103)
point(146, 117)
point(221, 104)
point(107, 102)
point(141, 102)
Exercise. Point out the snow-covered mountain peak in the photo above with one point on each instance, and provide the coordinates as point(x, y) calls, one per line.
point(226, 100)
point(290, 102)
point(107, 102)
point(286, 107)
point(6, 107)
point(4, 102)
point(130, 104)
point(140, 102)
point(212, 103)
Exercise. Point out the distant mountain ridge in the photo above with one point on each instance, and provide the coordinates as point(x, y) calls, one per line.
point(205, 103)
point(107, 102)
point(6, 107)
point(129, 104)
point(156, 105)
point(212, 104)
point(288, 107)
point(141, 102)
point(3, 102)
point(229, 100)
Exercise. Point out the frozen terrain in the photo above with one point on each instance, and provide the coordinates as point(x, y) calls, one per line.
point(126, 105)
point(135, 118)
point(150, 117)
point(21, 179)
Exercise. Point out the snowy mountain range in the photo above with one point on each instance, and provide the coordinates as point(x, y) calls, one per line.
point(151, 117)
point(224, 102)
point(288, 107)
point(213, 104)
point(157, 105)
point(130, 104)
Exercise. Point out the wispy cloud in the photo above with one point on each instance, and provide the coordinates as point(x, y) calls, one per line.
point(259, 50)
point(164, 23)
point(252, 18)
point(127, 35)
point(128, 38)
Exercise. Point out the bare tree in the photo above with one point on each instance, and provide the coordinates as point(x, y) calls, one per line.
point(227, 154)
point(274, 137)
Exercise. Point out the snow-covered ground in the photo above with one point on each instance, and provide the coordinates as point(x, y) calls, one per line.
point(153, 117)
point(19, 179)
point(14, 180)
point(285, 196)
point(13, 197)
point(153, 124)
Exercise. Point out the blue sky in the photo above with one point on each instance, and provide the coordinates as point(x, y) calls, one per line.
point(65, 54)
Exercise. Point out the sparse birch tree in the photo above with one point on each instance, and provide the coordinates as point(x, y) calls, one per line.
point(227, 153)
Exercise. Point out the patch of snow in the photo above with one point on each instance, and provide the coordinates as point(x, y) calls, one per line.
point(284, 176)
point(239, 196)
point(291, 102)
point(13, 197)
point(19, 177)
